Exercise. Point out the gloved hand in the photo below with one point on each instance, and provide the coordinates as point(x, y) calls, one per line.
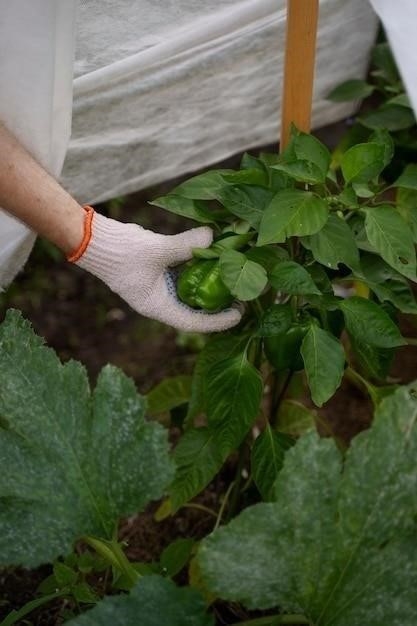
point(134, 263)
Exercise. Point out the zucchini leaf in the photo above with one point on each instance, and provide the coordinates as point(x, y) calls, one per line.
point(73, 461)
point(339, 542)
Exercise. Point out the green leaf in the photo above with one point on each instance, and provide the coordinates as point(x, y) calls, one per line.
point(406, 201)
point(248, 176)
point(192, 209)
point(84, 593)
point(218, 348)
point(152, 602)
point(245, 201)
point(267, 459)
point(351, 90)
point(245, 279)
point(367, 322)
point(292, 213)
point(198, 459)
point(383, 59)
point(234, 393)
point(73, 462)
point(292, 278)
point(382, 137)
point(408, 178)
point(176, 556)
point(267, 256)
point(294, 418)
point(300, 170)
point(335, 244)
point(362, 190)
point(168, 394)
point(309, 148)
point(221, 369)
point(390, 235)
point(363, 162)
point(204, 186)
point(65, 576)
point(392, 117)
point(324, 361)
point(373, 362)
point(350, 558)
point(276, 320)
point(388, 284)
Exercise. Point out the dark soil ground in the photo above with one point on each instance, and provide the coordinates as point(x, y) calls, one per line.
point(81, 319)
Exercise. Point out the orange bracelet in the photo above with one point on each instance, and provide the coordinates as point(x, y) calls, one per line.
point(77, 254)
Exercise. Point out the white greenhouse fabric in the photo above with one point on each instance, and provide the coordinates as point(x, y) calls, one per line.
point(163, 87)
point(36, 59)
point(166, 87)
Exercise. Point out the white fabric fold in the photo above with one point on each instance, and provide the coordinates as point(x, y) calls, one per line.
point(36, 62)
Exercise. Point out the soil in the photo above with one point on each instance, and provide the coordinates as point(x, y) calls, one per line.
point(81, 319)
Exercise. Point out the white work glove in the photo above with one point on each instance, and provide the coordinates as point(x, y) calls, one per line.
point(134, 263)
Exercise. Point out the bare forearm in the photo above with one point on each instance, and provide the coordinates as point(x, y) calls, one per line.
point(32, 195)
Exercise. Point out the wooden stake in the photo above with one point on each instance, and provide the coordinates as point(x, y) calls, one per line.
point(300, 52)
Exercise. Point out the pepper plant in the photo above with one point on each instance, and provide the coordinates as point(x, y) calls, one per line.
point(391, 109)
point(323, 260)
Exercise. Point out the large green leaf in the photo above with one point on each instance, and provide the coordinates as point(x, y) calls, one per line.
point(388, 284)
point(389, 116)
point(291, 277)
point(198, 458)
point(218, 348)
point(308, 148)
point(233, 395)
point(245, 201)
point(72, 462)
point(204, 186)
point(234, 389)
point(363, 162)
point(339, 544)
point(301, 171)
point(335, 244)
point(244, 278)
point(192, 209)
point(267, 459)
point(391, 236)
point(406, 201)
point(154, 601)
point(292, 212)
point(367, 322)
point(169, 393)
point(353, 89)
point(408, 178)
point(324, 361)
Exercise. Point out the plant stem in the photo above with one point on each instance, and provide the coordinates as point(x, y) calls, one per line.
point(223, 505)
point(113, 553)
point(235, 491)
point(15, 616)
point(274, 620)
point(200, 507)
point(281, 395)
point(412, 341)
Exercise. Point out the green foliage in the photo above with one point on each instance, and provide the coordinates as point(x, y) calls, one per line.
point(350, 558)
point(73, 462)
point(152, 602)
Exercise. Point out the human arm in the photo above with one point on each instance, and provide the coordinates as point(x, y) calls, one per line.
point(132, 261)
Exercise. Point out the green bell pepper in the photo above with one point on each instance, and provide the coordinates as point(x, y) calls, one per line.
point(283, 350)
point(201, 287)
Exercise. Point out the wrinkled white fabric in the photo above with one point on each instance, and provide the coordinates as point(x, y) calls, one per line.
point(161, 87)
point(134, 263)
point(36, 60)
point(400, 23)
